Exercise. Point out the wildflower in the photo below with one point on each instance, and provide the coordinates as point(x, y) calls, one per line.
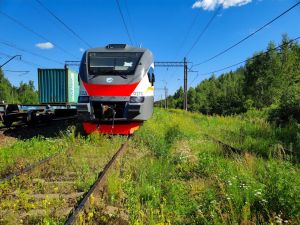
point(92, 199)
point(278, 219)
point(90, 215)
point(258, 193)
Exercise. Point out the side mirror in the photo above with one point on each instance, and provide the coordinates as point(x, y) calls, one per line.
point(152, 79)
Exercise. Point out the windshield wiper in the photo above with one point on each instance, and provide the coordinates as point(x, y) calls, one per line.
point(92, 76)
point(124, 76)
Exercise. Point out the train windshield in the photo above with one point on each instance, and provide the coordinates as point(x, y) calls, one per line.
point(113, 63)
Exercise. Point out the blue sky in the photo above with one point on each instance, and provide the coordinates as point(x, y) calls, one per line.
point(160, 25)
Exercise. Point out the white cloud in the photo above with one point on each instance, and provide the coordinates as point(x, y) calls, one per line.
point(212, 4)
point(81, 50)
point(45, 45)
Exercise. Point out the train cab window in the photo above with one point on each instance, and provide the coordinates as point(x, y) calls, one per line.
point(150, 71)
point(151, 76)
point(113, 63)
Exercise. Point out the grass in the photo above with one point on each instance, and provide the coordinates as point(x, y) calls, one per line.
point(45, 194)
point(15, 157)
point(253, 134)
point(174, 174)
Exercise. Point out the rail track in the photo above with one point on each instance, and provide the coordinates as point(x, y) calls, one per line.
point(12, 126)
point(29, 168)
point(97, 185)
point(229, 149)
point(284, 150)
point(38, 124)
point(57, 190)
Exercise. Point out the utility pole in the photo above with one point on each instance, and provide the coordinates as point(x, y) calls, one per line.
point(185, 71)
point(166, 93)
point(10, 60)
point(166, 97)
point(165, 89)
point(183, 64)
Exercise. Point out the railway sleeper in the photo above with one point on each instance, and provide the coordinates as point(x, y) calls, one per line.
point(33, 215)
point(73, 195)
point(43, 212)
point(50, 201)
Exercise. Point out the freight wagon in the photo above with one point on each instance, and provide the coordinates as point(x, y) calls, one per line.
point(58, 93)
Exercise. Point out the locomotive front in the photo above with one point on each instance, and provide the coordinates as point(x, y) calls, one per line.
point(116, 89)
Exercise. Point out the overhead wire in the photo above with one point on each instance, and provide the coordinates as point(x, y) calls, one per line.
point(124, 22)
point(30, 52)
point(189, 31)
point(244, 61)
point(203, 31)
point(63, 23)
point(35, 33)
point(130, 22)
point(248, 36)
point(17, 71)
point(22, 60)
point(21, 72)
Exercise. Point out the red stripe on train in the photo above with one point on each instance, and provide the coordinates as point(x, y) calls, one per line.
point(110, 89)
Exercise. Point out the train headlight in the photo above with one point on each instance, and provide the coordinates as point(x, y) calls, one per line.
point(83, 99)
point(135, 99)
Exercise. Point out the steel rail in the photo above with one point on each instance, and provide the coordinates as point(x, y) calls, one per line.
point(235, 150)
point(29, 168)
point(285, 149)
point(224, 145)
point(40, 123)
point(35, 164)
point(12, 126)
point(96, 186)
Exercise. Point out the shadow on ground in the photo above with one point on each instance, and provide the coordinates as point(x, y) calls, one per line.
point(49, 130)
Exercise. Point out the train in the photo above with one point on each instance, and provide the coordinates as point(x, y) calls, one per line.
point(116, 89)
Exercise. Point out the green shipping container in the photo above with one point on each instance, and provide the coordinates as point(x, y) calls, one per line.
point(58, 86)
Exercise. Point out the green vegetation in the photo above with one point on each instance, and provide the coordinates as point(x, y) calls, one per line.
point(48, 193)
point(268, 80)
point(24, 94)
point(17, 156)
point(174, 173)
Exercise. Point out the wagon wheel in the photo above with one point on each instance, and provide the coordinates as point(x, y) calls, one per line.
point(7, 123)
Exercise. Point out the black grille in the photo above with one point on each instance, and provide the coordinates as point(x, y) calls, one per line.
point(104, 110)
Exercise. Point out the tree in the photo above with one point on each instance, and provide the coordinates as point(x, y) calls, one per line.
point(24, 94)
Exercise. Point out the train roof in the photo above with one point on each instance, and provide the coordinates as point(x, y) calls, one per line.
point(117, 48)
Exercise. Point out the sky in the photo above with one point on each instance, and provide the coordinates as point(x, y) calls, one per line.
point(169, 28)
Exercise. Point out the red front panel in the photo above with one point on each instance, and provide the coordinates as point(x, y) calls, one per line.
point(110, 89)
point(125, 129)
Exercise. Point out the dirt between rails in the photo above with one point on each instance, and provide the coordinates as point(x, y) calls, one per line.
point(5, 140)
point(52, 190)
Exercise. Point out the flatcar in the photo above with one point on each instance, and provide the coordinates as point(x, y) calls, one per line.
point(116, 91)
